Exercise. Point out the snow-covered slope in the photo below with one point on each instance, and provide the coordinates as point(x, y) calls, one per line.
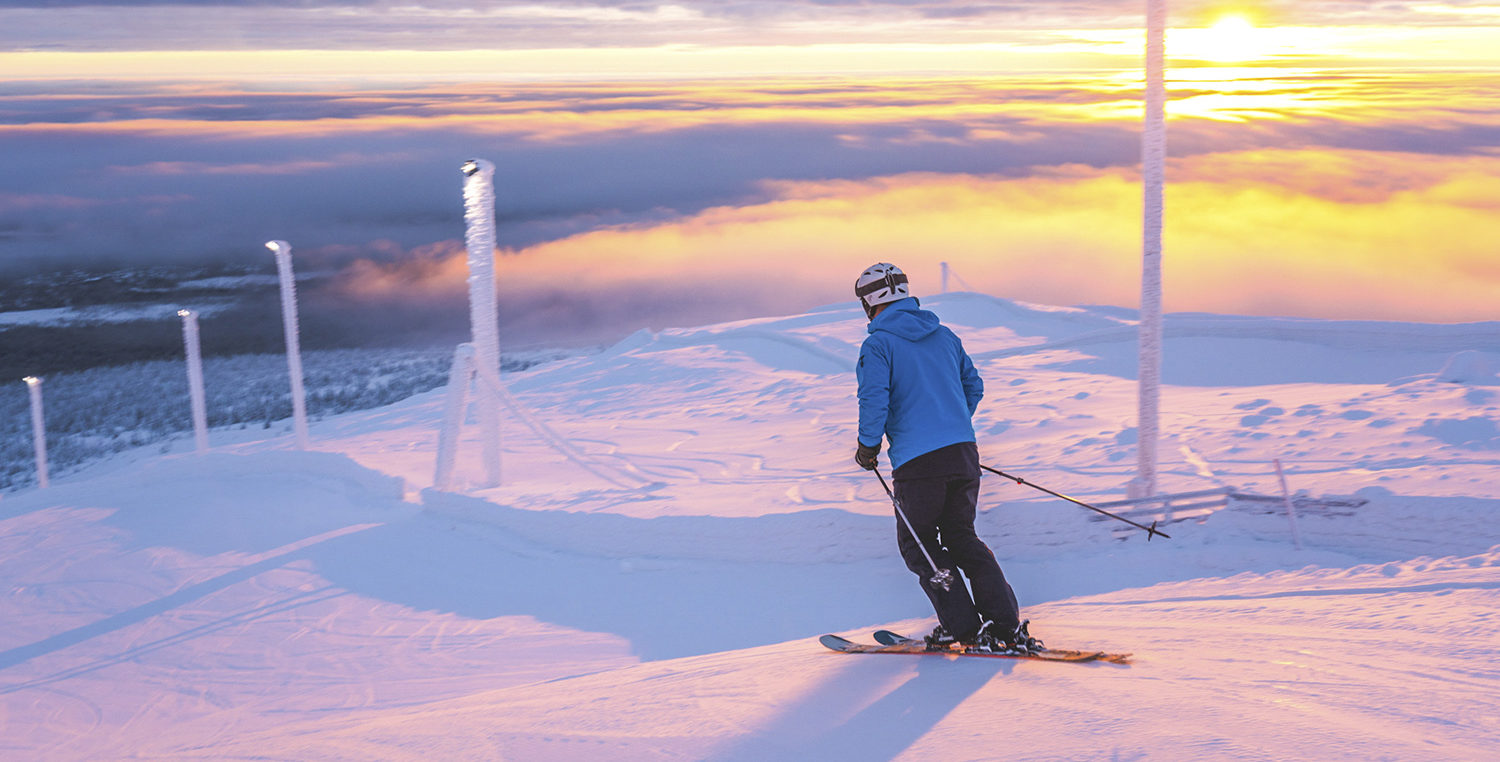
point(660, 596)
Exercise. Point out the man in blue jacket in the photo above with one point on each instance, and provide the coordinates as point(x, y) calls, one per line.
point(919, 389)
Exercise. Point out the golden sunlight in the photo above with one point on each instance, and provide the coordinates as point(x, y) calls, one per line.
point(1236, 38)
point(1242, 241)
point(1231, 39)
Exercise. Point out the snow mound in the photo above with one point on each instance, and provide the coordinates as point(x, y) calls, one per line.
point(1467, 367)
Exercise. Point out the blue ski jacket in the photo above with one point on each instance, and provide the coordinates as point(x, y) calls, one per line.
point(917, 386)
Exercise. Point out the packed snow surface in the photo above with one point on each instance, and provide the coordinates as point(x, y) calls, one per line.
point(658, 595)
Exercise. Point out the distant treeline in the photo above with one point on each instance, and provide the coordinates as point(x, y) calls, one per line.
point(249, 328)
point(85, 288)
point(246, 321)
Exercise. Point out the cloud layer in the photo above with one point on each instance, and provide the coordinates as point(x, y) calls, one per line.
point(1249, 245)
point(633, 203)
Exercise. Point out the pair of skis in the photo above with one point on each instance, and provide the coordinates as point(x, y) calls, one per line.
point(893, 643)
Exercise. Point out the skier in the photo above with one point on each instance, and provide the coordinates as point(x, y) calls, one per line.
point(919, 389)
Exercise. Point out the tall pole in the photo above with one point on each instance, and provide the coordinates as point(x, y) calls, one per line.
point(38, 430)
point(1153, 175)
point(195, 379)
point(479, 237)
point(283, 252)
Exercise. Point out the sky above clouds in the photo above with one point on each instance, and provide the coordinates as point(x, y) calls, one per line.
point(461, 24)
point(1319, 151)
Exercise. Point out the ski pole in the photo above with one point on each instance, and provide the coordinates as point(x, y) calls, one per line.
point(1151, 530)
point(940, 577)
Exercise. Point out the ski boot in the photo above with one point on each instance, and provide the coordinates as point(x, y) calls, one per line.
point(1022, 639)
point(940, 639)
point(989, 641)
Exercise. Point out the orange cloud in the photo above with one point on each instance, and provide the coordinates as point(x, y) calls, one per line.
point(1239, 238)
point(31, 202)
point(208, 168)
point(1416, 245)
point(1017, 108)
point(437, 271)
point(570, 112)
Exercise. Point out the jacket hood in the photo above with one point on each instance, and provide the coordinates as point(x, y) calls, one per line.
point(906, 320)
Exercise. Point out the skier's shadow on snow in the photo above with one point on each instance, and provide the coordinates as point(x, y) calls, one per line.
point(820, 726)
point(361, 538)
point(666, 608)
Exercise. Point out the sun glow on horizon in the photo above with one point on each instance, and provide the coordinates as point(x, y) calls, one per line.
point(1233, 38)
point(1237, 38)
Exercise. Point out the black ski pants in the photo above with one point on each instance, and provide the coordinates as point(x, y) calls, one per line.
point(939, 492)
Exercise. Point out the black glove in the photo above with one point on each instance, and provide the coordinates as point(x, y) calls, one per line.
point(865, 456)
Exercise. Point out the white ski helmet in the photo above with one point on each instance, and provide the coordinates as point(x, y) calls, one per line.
point(878, 284)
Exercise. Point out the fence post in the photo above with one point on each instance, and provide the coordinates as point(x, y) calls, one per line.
point(38, 430)
point(195, 379)
point(283, 252)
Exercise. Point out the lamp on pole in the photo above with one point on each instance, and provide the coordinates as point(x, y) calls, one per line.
point(38, 430)
point(479, 238)
point(194, 350)
point(283, 252)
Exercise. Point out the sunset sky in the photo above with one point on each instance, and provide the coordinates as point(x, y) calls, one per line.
point(671, 163)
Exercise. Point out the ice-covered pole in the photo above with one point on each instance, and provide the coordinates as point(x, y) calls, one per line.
point(479, 236)
point(195, 378)
point(1153, 176)
point(1286, 500)
point(38, 430)
point(283, 252)
point(945, 277)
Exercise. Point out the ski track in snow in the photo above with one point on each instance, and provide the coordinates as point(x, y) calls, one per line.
point(259, 602)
